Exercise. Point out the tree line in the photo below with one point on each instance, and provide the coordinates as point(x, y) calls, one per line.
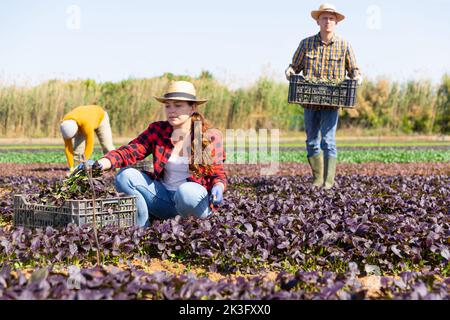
point(416, 106)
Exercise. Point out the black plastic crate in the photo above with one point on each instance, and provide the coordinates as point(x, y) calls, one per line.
point(304, 92)
point(120, 211)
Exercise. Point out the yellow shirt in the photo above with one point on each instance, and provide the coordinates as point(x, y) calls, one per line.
point(88, 119)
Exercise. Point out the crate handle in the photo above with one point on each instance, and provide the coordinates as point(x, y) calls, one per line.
point(112, 201)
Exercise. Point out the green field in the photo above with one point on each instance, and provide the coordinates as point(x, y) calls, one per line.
point(353, 156)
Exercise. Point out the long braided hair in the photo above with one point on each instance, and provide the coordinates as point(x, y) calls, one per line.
point(196, 165)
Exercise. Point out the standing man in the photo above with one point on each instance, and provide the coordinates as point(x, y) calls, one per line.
point(80, 125)
point(323, 56)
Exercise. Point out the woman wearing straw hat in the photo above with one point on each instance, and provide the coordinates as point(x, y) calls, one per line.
point(328, 56)
point(188, 178)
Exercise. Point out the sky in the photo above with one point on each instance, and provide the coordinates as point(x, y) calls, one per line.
point(237, 40)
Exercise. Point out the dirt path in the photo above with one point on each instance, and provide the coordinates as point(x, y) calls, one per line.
point(371, 168)
point(371, 283)
point(342, 135)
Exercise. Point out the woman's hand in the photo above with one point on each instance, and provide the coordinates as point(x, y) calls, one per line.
point(217, 194)
point(104, 163)
point(89, 163)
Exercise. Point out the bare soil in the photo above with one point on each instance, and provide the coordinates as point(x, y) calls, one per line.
point(286, 168)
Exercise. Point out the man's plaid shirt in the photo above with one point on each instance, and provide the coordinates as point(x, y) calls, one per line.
point(156, 140)
point(328, 61)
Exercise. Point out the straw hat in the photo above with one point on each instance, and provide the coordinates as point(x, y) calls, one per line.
point(180, 90)
point(326, 7)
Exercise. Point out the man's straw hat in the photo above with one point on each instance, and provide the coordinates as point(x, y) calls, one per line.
point(327, 8)
point(181, 90)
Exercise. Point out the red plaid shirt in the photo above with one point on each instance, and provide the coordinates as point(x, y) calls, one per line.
point(156, 140)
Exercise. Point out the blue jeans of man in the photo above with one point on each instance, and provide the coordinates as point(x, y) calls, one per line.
point(154, 200)
point(324, 122)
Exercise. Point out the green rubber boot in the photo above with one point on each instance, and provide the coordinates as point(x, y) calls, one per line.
point(330, 172)
point(316, 163)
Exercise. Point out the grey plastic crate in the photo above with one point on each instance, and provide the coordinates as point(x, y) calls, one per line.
point(303, 92)
point(119, 211)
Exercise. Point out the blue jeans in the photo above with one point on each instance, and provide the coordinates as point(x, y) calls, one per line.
point(154, 200)
point(325, 122)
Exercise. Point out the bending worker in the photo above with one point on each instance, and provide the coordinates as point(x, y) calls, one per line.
point(80, 124)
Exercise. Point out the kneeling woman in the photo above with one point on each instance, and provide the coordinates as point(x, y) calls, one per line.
point(188, 178)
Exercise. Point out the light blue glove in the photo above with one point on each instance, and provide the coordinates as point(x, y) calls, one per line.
point(90, 163)
point(216, 195)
